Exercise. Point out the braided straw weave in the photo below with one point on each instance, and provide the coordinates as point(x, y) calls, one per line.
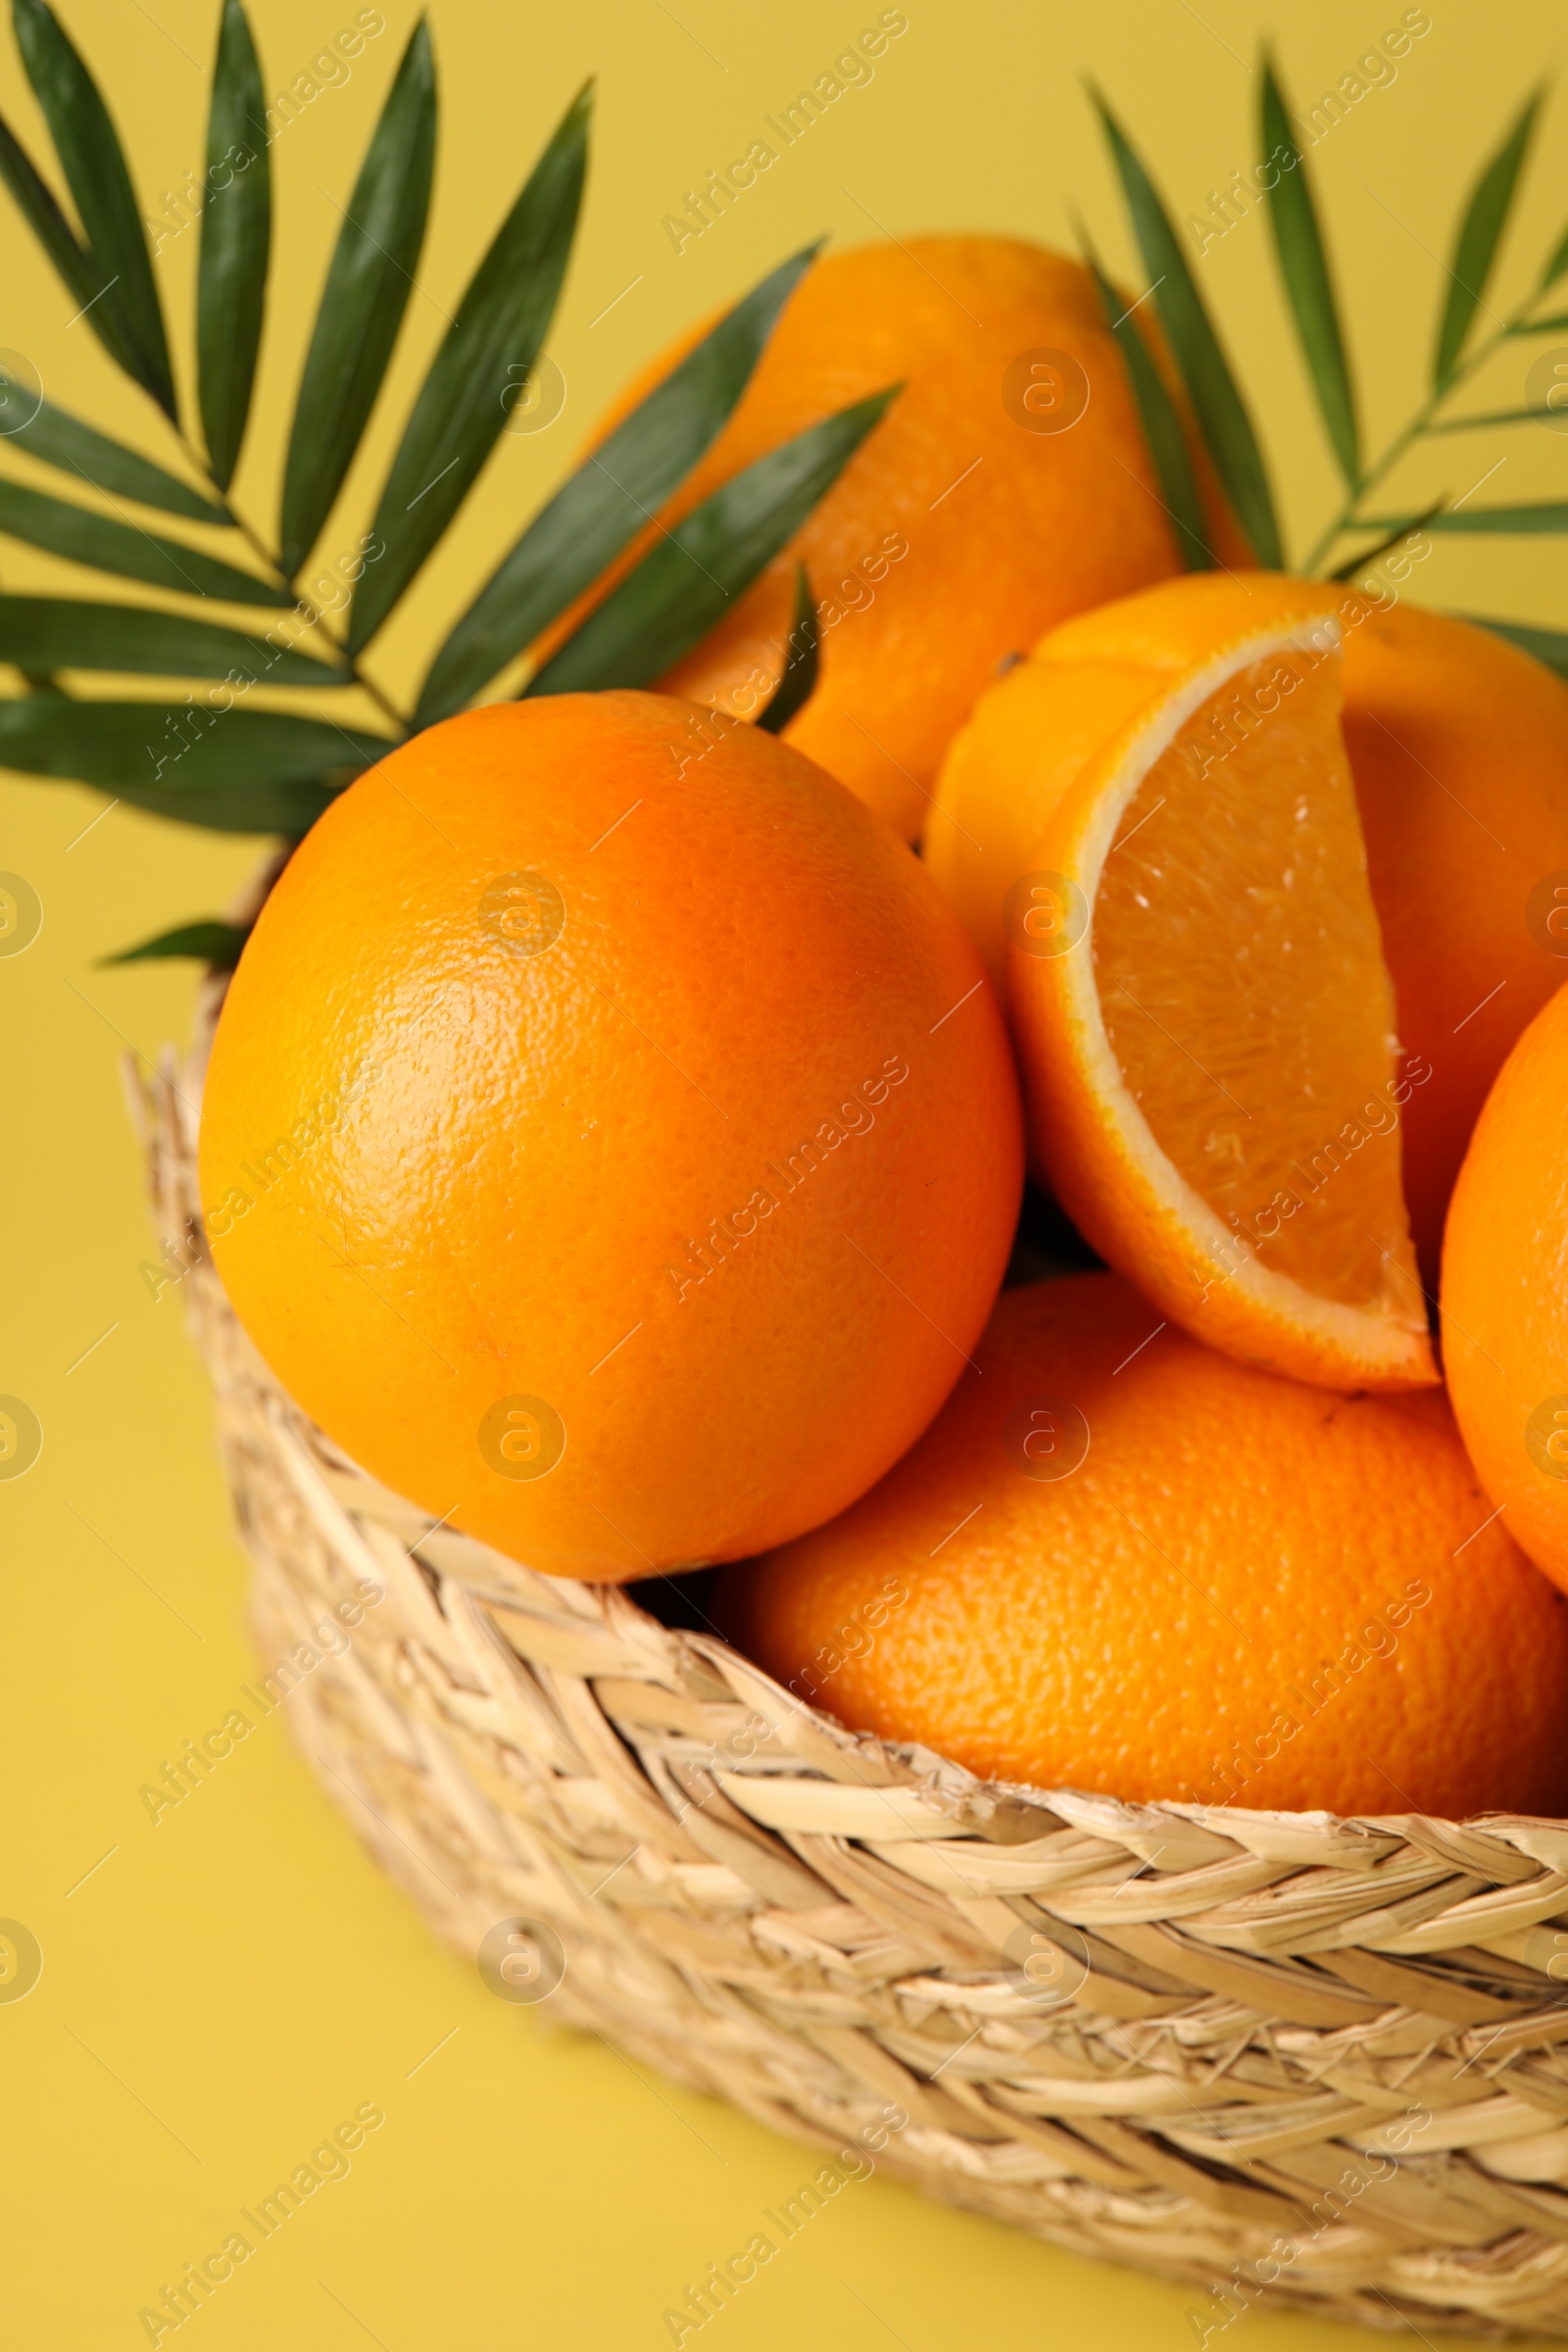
point(1275, 2055)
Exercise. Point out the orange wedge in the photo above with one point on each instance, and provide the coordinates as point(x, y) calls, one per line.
point(1202, 1007)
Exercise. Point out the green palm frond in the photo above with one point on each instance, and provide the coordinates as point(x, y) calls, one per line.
point(1217, 404)
point(1282, 184)
point(216, 759)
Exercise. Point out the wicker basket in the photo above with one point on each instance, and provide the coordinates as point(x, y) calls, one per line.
point(1278, 2056)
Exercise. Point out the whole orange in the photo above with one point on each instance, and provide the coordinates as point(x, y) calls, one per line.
point(1458, 744)
point(1008, 486)
point(609, 1138)
point(1506, 1292)
point(1120, 1561)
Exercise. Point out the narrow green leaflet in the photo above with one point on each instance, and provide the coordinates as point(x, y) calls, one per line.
point(63, 529)
point(63, 440)
point(1217, 405)
point(1162, 429)
point(488, 351)
point(57, 633)
point(1468, 424)
point(210, 942)
point(90, 156)
point(608, 499)
point(366, 292)
point(236, 241)
point(1475, 248)
point(79, 274)
point(219, 804)
point(1397, 530)
point(1304, 269)
point(1549, 646)
point(1541, 326)
point(686, 583)
point(1555, 266)
point(239, 771)
point(802, 658)
point(1550, 515)
point(40, 209)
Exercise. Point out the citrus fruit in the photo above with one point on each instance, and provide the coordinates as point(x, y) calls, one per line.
point(1007, 487)
point(1506, 1292)
point(610, 1137)
point(1458, 748)
point(1459, 743)
point(1120, 1561)
point(1203, 1013)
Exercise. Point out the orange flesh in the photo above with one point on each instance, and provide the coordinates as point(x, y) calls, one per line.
point(1260, 1048)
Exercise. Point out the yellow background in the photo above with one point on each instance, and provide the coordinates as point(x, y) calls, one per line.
point(232, 1982)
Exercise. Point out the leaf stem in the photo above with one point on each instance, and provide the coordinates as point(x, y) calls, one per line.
point(1347, 518)
point(317, 617)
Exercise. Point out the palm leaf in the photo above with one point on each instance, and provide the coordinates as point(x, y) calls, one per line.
point(1162, 427)
point(501, 323)
point(689, 580)
point(1555, 266)
point(94, 164)
point(63, 529)
point(63, 440)
point(210, 942)
point(1475, 248)
point(1217, 405)
point(1468, 424)
point(238, 771)
point(236, 242)
point(608, 499)
point(802, 657)
point(1540, 326)
point(366, 292)
point(1550, 515)
point(1397, 530)
point(219, 804)
point(77, 271)
point(1549, 646)
point(1304, 269)
point(41, 633)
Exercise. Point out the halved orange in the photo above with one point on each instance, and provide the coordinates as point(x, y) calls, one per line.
point(1202, 1010)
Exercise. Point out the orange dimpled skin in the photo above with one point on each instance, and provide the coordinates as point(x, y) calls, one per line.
point(1119, 1561)
point(1506, 1292)
point(613, 1143)
point(1008, 486)
point(1459, 747)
